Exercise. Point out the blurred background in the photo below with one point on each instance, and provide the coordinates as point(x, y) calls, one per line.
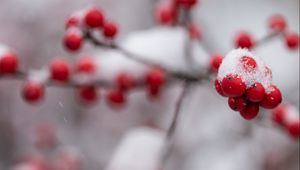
point(210, 136)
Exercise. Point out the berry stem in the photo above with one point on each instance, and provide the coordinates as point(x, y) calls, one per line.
point(267, 38)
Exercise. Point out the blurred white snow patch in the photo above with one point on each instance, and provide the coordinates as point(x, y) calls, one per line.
point(83, 78)
point(25, 166)
point(110, 63)
point(39, 76)
point(165, 46)
point(232, 64)
point(240, 155)
point(139, 150)
point(3, 49)
point(292, 113)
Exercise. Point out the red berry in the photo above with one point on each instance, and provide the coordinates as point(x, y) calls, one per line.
point(250, 111)
point(249, 63)
point(33, 91)
point(272, 98)
point(277, 23)
point(155, 77)
point(187, 3)
point(94, 18)
point(73, 40)
point(233, 86)
point(292, 40)
point(73, 21)
point(294, 128)
point(116, 97)
point(85, 65)
point(59, 70)
point(215, 62)
point(153, 92)
point(110, 30)
point(194, 31)
point(124, 81)
point(218, 87)
point(237, 103)
point(279, 113)
point(88, 93)
point(166, 15)
point(256, 92)
point(244, 40)
point(8, 63)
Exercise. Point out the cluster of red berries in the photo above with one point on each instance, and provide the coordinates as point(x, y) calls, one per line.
point(60, 71)
point(245, 94)
point(167, 13)
point(91, 19)
point(277, 24)
point(62, 159)
point(287, 116)
point(124, 82)
point(8, 62)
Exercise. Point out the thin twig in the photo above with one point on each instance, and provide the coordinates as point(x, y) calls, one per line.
point(174, 123)
point(142, 60)
point(267, 38)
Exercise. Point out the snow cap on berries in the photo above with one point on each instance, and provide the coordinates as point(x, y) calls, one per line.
point(247, 66)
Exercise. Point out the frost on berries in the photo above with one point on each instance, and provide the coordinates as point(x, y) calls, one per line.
point(246, 79)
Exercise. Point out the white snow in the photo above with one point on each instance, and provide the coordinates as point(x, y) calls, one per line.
point(39, 76)
point(292, 113)
point(232, 64)
point(25, 166)
point(139, 150)
point(3, 49)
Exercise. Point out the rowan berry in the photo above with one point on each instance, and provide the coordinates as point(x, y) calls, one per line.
point(33, 91)
point(272, 98)
point(250, 111)
point(233, 86)
point(215, 62)
point(237, 103)
point(94, 18)
point(277, 23)
point(244, 40)
point(8, 63)
point(60, 70)
point(110, 30)
point(256, 92)
point(73, 40)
